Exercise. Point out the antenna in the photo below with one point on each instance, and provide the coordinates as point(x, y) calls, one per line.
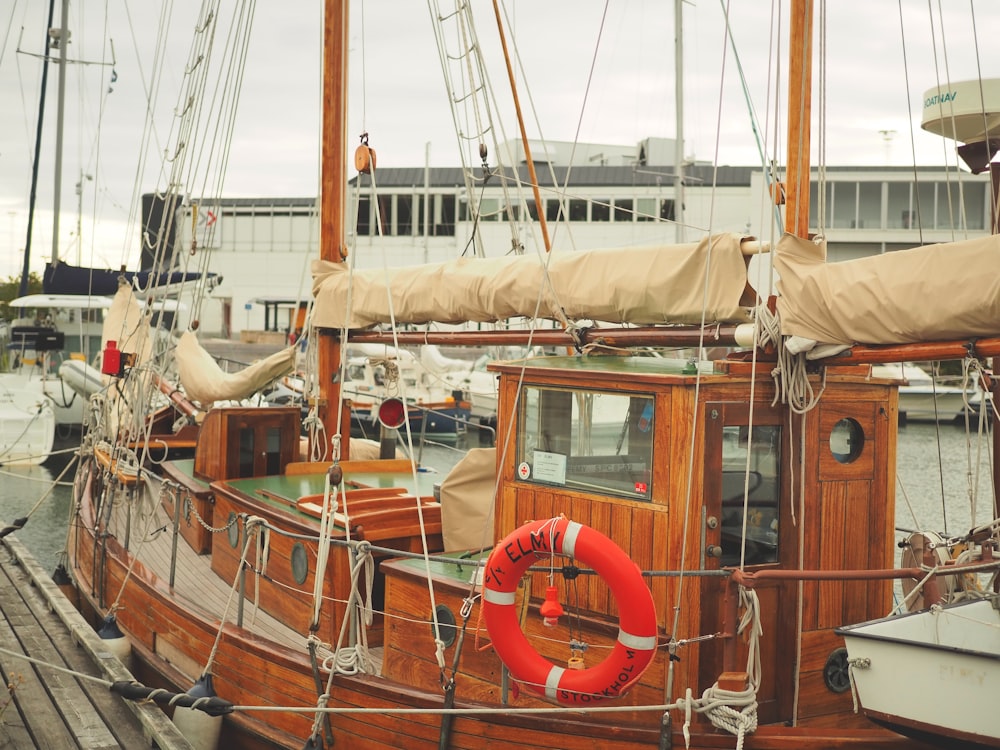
point(887, 138)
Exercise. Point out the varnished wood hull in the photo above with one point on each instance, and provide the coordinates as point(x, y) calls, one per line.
point(172, 639)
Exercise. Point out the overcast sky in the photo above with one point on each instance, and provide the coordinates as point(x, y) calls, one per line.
point(600, 72)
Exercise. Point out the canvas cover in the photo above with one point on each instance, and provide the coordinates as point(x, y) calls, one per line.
point(205, 382)
point(932, 293)
point(467, 501)
point(643, 286)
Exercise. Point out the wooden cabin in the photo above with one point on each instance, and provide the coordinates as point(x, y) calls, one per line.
point(659, 460)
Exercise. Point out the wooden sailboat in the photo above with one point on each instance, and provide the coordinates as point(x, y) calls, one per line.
point(657, 552)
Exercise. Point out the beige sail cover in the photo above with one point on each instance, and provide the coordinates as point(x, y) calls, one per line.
point(467, 501)
point(662, 284)
point(126, 322)
point(205, 382)
point(930, 293)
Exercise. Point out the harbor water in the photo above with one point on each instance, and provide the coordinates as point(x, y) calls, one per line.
point(943, 485)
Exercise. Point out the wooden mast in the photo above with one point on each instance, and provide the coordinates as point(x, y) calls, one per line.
point(333, 194)
point(799, 114)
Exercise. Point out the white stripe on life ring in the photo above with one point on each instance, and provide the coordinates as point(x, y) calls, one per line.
point(569, 538)
point(638, 642)
point(501, 598)
point(552, 681)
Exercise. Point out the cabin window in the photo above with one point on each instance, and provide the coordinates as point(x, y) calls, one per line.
point(600, 210)
point(592, 441)
point(750, 494)
point(246, 452)
point(272, 455)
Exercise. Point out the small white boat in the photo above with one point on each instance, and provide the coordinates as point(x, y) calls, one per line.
point(932, 674)
point(924, 398)
point(27, 425)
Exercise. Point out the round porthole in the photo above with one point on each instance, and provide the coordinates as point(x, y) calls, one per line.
point(300, 563)
point(847, 440)
point(234, 530)
point(446, 624)
point(836, 672)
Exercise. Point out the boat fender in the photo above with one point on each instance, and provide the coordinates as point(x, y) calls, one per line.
point(114, 640)
point(201, 729)
point(636, 644)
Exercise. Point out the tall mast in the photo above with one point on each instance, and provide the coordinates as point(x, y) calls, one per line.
point(60, 114)
point(333, 189)
point(799, 115)
point(679, 99)
point(23, 288)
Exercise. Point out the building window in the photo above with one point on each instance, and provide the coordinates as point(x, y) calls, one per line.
point(899, 214)
point(489, 209)
point(645, 209)
point(845, 205)
point(364, 221)
point(869, 205)
point(552, 212)
point(444, 216)
point(385, 215)
point(600, 210)
point(667, 210)
point(404, 215)
point(577, 209)
point(623, 209)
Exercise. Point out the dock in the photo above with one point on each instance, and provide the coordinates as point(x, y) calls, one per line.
point(61, 699)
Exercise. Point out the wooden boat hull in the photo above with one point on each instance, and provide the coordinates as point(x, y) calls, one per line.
point(172, 637)
point(934, 674)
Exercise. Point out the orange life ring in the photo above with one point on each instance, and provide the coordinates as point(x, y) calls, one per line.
point(636, 643)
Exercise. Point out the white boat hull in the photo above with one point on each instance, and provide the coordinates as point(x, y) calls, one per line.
point(27, 425)
point(933, 673)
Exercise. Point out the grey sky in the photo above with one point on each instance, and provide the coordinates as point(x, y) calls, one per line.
point(398, 94)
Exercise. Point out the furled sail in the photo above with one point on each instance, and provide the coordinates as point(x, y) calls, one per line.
point(205, 382)
point(662, 284)
point(931, 293)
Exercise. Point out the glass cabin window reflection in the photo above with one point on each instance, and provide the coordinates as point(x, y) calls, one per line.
point(759, 452)
point(592, 441)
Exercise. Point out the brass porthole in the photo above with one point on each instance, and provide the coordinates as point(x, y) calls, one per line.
point(300, 563)
point(446, 624)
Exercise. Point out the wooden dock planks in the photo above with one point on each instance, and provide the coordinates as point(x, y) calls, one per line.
point(50, 708)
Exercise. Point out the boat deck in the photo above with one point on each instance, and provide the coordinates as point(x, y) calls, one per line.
point(45, 706)
point(197, 586)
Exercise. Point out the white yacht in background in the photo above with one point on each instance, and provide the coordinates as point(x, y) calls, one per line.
point(52, 353)
point(924, 398)
point(27, 424)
